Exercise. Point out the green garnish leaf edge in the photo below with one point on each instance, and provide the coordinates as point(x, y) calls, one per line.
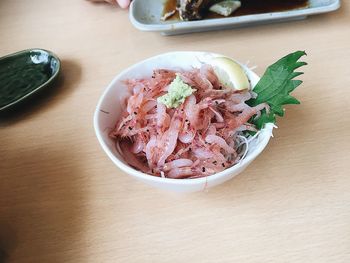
point(275, 86)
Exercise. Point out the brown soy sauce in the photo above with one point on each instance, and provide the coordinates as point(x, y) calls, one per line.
point(249, 7)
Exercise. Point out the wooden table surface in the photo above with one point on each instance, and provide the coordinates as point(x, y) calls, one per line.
point(63, 200)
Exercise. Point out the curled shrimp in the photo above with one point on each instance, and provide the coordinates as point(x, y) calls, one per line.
point(169, 139)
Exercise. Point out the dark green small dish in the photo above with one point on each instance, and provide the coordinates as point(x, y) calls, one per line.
point(25, 73)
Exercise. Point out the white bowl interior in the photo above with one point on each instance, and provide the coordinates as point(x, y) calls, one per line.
point(110, 106)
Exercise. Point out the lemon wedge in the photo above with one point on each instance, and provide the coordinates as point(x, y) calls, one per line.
point(230, 73)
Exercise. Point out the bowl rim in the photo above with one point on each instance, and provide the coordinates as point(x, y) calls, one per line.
point(147, 177)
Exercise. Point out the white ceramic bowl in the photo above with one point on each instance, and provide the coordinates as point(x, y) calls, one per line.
point(109, 109)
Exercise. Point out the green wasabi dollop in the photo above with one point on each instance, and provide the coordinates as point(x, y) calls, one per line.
point(177, 93)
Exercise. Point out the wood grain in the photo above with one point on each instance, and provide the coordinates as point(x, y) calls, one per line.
point(62, 200)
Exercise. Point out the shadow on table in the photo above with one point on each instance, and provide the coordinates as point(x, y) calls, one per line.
point(41, 211)
point(69, 76)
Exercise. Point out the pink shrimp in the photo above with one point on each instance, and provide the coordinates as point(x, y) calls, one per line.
point(202, 153)
point(163, 118)
point(189, 77)
point(151, 150)
point(180, 173)
point(138, 145)
point(202, 82)
point(149, 105)
point(236, 101)
point(239, 96)
point(182, 152)
point(176, 164)
point(190, 110)
point(134, 102)
point(132, 159)
point(208, 72)
point(211, 130)
point(187, 133)
point(218, 115)
point(219, 141)
point(197, 139)
point(187, 137)
point(169, 139)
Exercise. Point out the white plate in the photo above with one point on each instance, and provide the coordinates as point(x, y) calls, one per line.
point(145, 15)
point(109, 109)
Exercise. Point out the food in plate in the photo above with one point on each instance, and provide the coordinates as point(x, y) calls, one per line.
point(189, 10)
point(225, 8)
point(196, 9)
point(193, 9)
point(190, 123)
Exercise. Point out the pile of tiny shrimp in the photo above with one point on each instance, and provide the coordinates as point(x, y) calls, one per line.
point(201, 137)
